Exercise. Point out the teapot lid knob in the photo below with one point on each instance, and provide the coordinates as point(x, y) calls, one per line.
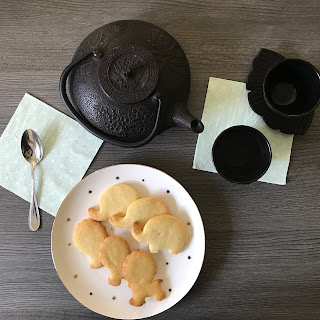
point(98, 53)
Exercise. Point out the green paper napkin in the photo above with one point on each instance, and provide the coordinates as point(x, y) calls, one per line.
point(67, 147)
point(227, 105)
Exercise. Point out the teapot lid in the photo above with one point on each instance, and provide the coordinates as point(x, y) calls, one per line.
point(129, 73)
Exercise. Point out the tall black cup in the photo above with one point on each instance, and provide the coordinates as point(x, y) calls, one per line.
point(291, 90)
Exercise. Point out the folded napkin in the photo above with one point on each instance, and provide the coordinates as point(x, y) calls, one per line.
point(68, 150)
point(227, 105)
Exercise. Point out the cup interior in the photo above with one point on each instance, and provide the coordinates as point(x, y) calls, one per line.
point(292, 87)
point(241, 154)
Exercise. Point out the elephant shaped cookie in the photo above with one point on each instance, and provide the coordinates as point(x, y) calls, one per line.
point(114, 200)
point(162, 232)
point(140, 210)
point(112, 252)
point(87, 237)
point(139, 269)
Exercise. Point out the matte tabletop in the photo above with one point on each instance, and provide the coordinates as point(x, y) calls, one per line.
point(262, 241)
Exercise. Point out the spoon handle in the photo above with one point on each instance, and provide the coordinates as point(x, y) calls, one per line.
point(34, 216)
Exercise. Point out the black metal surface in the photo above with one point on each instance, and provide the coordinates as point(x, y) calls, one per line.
point(264, 61)
point(115, 94)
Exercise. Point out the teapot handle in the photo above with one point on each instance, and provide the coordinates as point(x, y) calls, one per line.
point(85, 123)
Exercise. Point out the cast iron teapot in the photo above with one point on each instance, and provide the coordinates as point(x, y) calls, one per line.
point(129, 80)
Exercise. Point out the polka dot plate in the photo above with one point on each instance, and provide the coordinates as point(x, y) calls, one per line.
point(90, 286)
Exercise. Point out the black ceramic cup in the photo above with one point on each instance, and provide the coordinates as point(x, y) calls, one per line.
point(241, 154)
point(291, 88)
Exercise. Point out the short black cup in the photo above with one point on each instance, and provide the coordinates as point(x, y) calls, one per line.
point(241, 154)
point(291, 88)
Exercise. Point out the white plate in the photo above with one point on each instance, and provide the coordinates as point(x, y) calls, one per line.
point(90, 286)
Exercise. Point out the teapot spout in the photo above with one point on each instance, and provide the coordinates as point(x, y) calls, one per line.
point(183, 118)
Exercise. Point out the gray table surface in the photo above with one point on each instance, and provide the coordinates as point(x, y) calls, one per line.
point(262, 240)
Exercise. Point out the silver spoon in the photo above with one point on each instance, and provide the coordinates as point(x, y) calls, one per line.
point(32, 151)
